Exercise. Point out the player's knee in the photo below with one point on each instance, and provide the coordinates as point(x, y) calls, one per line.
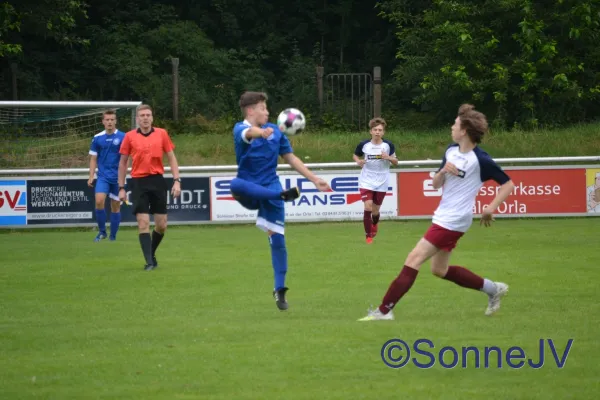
point(247, 203)
point(161, 225)
point(115, 206)
point(368, 205)
point(235, 186)
point(143, 226)
point(143, 220)
point(100, 200)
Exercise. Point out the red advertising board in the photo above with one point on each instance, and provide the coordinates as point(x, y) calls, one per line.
point(537, 191)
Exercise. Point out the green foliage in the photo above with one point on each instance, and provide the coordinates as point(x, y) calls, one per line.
point(526, 64)
point(9, 21)
point(224, 48)
point(40, 19)
point(523, 62)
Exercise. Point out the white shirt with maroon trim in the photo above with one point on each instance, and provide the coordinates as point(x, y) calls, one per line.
point(375, 173)
point(455, 211)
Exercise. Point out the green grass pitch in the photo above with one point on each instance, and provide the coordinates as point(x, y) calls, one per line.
point(82, 320)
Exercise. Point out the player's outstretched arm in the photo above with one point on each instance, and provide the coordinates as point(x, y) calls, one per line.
point(256, 132)
point(303, 170)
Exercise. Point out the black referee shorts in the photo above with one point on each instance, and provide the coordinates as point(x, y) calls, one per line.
point(149, 194)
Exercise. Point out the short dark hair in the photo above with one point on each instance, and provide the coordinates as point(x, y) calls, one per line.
point(109, 112)
point(248, 99)
point(377, 121)
point(474, 122)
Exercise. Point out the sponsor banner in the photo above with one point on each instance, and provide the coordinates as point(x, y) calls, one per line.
point(342, 203)
point(592, 186)
point(13, 202)
point(537, 191)
point(70, 201)
point(192, 205)
point(59, 201)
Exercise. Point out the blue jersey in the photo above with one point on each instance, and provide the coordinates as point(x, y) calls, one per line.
point(106, 148)
point(257, 158)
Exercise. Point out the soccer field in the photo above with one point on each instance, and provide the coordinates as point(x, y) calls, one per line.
point(83, 320)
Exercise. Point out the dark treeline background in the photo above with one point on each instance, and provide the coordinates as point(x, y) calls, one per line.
point(526, 63)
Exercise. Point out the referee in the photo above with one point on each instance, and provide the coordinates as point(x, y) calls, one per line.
point(146, 146)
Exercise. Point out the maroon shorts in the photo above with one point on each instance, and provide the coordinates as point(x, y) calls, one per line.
point(442, 238)
point(376, 197)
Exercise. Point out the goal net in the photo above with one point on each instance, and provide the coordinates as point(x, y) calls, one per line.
point(46, 134)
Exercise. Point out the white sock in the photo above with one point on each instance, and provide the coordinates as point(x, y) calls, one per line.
point(489, 287)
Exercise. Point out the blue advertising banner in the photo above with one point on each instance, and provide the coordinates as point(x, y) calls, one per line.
point(69, 201)
point(59, 201)
point(192, 205)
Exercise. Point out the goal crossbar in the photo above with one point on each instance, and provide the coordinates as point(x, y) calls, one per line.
point(75, 104)
point(67, 104)
point(55, 134)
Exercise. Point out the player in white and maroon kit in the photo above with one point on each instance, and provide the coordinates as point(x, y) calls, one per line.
point(465, 167)
point(373, 182)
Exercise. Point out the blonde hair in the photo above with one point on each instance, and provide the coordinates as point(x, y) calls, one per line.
point(143, 107)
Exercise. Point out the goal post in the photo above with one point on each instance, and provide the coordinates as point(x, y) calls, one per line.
point(55, 134)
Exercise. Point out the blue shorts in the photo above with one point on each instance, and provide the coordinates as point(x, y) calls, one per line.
point(106, 187)
point(271, 213)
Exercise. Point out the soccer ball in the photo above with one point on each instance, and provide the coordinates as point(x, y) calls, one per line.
point(291, 121)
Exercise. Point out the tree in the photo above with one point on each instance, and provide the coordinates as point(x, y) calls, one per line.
point(524, 63)
point(54, 19)
point(9, 21)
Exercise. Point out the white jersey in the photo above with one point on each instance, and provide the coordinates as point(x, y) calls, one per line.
point(376, 171)
point(455, 211)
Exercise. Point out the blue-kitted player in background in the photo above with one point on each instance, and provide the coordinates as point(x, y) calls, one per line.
point(104, 154)
point(258, 145)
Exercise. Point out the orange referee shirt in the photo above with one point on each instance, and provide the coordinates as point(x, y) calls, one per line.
point(147, 151)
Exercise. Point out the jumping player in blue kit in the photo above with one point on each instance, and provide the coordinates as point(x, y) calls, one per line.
point(258, 145)
point(104, 154)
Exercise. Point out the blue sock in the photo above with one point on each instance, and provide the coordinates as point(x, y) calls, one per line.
point(115, 220)
point(101, 220)
point(251, 190)
point(279, 259)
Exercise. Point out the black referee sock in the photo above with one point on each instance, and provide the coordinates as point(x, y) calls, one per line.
point(156, 238)
point(146, 243)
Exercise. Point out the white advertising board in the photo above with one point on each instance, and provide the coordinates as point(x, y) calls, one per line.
point(342, 203)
